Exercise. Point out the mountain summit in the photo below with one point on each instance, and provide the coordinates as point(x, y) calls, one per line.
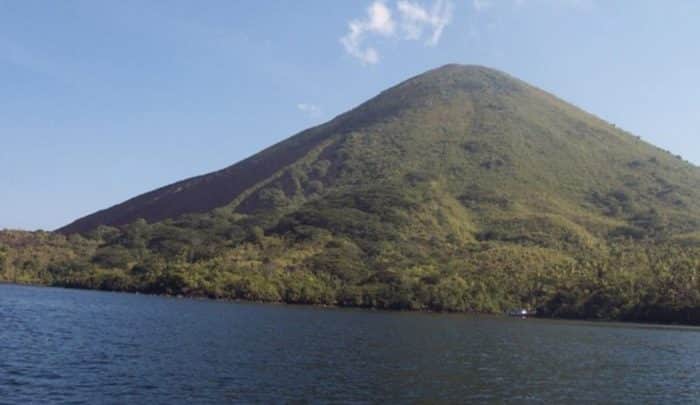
point(462, 189)
point(492, 146)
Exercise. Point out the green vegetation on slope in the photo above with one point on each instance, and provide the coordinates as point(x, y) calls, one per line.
point(459, 190)
point(366, 253)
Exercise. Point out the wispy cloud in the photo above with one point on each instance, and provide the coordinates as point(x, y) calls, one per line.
point(415, 21)
point(311, 110)
point(378, 21)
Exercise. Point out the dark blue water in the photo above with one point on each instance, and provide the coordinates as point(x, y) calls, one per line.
point(91, 347)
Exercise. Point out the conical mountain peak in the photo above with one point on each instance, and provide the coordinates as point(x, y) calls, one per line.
point(461, 189)
point(484, 136)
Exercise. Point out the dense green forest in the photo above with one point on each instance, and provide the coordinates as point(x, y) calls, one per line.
point(462, 189)
point(367, 255)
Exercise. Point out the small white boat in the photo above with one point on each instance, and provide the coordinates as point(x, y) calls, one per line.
point(520, 313)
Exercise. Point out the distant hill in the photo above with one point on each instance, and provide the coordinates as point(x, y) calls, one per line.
point(460, 189)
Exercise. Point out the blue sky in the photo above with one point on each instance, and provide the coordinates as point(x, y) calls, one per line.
point(104, 100)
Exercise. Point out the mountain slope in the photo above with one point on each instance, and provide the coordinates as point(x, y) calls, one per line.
point(500, 146)
point(462, 189)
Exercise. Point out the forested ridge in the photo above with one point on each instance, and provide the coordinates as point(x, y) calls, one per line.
point(462, 189)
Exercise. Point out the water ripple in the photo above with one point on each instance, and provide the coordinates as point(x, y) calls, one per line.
point(62, 346)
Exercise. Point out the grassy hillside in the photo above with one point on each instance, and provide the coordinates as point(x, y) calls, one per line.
point(462, 189)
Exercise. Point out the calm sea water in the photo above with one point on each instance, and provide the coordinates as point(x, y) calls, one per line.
point(91, 347)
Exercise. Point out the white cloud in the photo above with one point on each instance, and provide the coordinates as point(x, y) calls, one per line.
point(378, 21)
point(416, 22)
point(311, 110)
point(415, 19)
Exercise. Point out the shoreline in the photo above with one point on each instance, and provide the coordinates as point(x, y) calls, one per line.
point(598, 322)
